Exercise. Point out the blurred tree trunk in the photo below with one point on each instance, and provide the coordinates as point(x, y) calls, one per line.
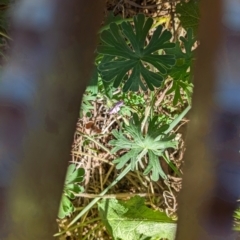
point(40, 95)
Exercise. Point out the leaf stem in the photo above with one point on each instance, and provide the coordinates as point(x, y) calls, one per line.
point(177, 120)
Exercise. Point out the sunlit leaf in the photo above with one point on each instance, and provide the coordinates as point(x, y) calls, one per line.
point(71, 187)
point(132, 220)
point(138, 146)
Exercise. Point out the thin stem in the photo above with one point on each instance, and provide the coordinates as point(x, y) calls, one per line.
point(94, 201)
point(177, 120)
point(116, 196)
point(92, 156)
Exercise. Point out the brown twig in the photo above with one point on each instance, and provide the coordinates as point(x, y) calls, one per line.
point(117, 195)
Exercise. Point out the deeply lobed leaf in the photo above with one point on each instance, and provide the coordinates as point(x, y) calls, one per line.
point(152, 145)
point(129, 56)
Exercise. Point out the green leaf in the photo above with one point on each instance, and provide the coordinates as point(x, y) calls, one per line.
point(74, 175)
point(127, 59)
point(132, 220)
point(184, 54)
point(181, 72)
point(71, 187)
point(152, 145)
point(132, 155)
point(113, 19)
point(125, 111)
point(155, 167)
point(87, 105)
point(189, 14)
point(66, 207)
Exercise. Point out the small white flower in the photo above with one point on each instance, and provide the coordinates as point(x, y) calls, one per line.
point(116, 108)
